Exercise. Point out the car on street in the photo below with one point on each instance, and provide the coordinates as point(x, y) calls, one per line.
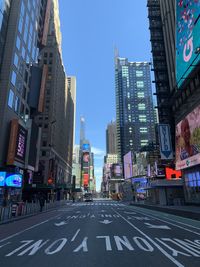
point(88, 197)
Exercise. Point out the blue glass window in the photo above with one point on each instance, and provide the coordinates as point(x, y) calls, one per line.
point(16, 104)
point(18, 43)
point(10, 98)
point(13, 78)
point(16, 60)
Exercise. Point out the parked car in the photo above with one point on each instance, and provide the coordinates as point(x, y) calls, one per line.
point(88, 197)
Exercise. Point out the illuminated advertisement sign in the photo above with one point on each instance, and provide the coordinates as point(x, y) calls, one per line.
point(2, 178)
point(10, 179)
point(116, 171)
point(86, 147)
point(192, 179)
point(86, 157)
point(187, 37)
point(85, 179)
point(188, 140)
point(172, 174)
point(140, 184)
point(17, 143)
point(128, 166)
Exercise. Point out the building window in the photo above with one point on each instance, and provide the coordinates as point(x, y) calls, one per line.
point(139, 73)
point(141, 106)
point(10, 98)
point(140, 84)
point(18, 43)
point(16, 104)
point(140, 94)
point(13, 78)
point(143, 142)
point(142, 118)
point(16, 60)
point(143, 129)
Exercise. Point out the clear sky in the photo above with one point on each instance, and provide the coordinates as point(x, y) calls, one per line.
point(91, 29)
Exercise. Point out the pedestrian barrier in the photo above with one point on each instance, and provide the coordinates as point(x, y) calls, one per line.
point(20, 209)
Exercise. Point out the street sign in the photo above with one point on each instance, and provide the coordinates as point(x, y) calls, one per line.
point(165, 141)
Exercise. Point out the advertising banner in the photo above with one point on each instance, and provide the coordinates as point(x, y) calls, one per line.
point(187, 37)
point(17, 143)
point(128, 165)
point(165, 141)
point(188, 140)
point(116, 171)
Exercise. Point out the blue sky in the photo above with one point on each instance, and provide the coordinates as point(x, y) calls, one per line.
point(91, 29)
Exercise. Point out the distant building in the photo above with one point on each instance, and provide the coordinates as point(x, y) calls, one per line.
point(111, 138)
point(134, 106)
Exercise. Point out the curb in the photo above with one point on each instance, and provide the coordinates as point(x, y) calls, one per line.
point(181, 213)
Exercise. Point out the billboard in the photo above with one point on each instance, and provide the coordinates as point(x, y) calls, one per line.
point(10, 179)
point(172, 174)
point(187, 37)
point(86, 147)
point(17, 143)
point(128, 165)
point(116, 170)
point(165, 141)
point(188, 140)
point(86, 157)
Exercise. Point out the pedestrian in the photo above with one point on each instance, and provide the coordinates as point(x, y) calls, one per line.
point(41, 201)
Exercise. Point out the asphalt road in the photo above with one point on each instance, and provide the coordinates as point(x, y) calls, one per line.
point(100, 233)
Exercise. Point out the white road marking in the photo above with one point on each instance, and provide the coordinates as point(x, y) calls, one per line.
point(119, 241)
point(60, 224)
point(4, 244)
point(143, 213)
point(105, 222)
point(61, 245)
point(154, 226)
point(83, 246)
point(16, 234)
point(108, 243)
point(167, 255)
point(73, 238)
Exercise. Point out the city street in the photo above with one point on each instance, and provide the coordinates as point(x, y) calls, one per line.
point(100, 233)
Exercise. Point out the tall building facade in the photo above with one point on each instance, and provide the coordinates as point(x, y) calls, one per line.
point(111, 138)
point(57, 117)
point(23, 34)
point(135, 119)
point(161, 16)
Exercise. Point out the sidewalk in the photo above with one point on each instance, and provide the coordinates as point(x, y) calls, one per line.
point(29, 209)
point(187, 211)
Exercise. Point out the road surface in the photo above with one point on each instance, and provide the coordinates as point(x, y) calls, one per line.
point(100, 233)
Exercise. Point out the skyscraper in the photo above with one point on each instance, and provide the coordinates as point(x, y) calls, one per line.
point(111, 145)
point(134, 106)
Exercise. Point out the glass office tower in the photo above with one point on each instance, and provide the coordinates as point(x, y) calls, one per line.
point(134, 106)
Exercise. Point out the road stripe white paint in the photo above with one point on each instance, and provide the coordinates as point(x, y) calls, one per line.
point(181, 227)
point(27, 229)
point(61, 245)
point(108, 243)
point(73, 238)
point(167, 255)
point(4, 244)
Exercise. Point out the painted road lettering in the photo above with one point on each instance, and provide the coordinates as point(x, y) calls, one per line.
point(175, 247)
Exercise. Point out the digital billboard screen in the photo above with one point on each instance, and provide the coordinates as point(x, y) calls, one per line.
point(2, 178)
point(128, 165)
point(21, 143)
point(116, 171)
point(188, 140)
point(86, 157)
point(10, 180)
point(187, 37)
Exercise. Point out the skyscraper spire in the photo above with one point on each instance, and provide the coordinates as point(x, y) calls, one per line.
point(82, 131)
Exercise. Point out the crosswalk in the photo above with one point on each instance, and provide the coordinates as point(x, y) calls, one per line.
point(98, 204)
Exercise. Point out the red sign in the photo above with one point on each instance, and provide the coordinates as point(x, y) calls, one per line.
point(50, 180)
point(85, 179)
point(172, 174)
